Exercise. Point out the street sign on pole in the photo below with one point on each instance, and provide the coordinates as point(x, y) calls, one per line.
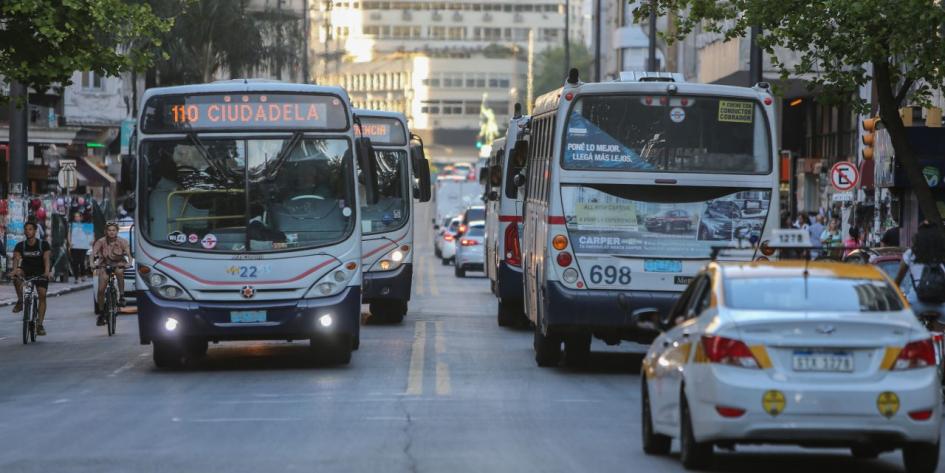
point(844, 176)
point(68, 177)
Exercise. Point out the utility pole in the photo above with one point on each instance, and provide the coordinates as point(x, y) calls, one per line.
point(651, 58)
point(19, 123)
point(530, 76)
point(327, 24)
point(755, 63)
point(306, 27)
point(597, 33)
point(567, 36)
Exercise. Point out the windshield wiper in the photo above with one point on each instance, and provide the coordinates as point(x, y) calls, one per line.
point(221, 169)
point(270, 170)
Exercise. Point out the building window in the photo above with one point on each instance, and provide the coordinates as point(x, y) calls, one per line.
point(91, 80)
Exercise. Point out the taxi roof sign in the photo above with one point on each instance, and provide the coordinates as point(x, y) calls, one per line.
point(790, 238)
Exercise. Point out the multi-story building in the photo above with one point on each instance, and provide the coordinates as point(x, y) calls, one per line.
point(437, 62)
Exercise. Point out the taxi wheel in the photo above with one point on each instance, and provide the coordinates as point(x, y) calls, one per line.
point(459, 272)
point(196, 347)
point(694, 455)
point(653, 443)
point(920, 457)
point(445, 261)
point(547, 348)
point(167, 355)
point(509, 313)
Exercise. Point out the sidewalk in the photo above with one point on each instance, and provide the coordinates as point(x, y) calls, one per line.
point(8, 293)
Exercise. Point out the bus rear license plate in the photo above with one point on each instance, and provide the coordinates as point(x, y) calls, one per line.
point(682, 280)
point(247, 316)
point(662, 266)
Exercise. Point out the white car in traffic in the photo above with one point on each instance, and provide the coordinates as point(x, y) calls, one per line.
point(813, 354)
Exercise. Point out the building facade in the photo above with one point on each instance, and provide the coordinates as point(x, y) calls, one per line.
point(440, 63)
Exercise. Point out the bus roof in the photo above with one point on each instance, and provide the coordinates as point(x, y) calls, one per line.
point(552, 100)
point(245, 85)
point(364, 112)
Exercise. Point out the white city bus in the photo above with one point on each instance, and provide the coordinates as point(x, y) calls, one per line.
point(248, 223)
point(504, 220)
point(387, 226)
point(630, 185)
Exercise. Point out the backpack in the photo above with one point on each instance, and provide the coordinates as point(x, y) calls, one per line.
point(931, 286)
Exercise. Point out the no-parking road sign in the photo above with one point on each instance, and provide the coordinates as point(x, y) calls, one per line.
point(844, 176)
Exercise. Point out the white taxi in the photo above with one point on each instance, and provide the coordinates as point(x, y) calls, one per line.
point(791, 352)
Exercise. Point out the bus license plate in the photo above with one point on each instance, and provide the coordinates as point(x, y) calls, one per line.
point(662, 266)
point(682, 280)
point(833, 362)
point(247, 316)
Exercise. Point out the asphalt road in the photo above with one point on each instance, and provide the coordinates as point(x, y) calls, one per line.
point(446, 391)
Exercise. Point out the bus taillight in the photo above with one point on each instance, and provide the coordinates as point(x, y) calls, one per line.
point(513, 250)
point(564, 259)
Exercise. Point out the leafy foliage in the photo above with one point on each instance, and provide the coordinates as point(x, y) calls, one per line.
point(835, 39)
point(550, 70)
point(43, 42)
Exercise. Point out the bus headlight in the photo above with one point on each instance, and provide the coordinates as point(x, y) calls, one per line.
point(392, 260)
point(164, 286)
point(333, 282)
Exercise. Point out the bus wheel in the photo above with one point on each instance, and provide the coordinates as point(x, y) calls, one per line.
point(331, 349)
point(167, 355)
point(510, 313)
point(547, 348)
point(390, 311)
point(577, 349)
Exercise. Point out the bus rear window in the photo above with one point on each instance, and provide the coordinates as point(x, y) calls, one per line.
point(812, 294)
point(667, 134)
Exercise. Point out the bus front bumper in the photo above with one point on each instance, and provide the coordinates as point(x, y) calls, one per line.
point(241, 320)
point(598, 311)
point(388, 285)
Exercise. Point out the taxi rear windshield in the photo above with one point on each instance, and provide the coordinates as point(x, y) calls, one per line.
point(669, 134)
point(812, 294)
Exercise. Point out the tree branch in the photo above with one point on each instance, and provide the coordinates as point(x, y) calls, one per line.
point(906, 85)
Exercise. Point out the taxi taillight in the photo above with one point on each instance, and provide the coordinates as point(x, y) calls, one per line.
point(917, 354)
point(727, 351)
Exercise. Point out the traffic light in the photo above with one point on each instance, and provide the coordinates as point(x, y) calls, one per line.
point(869, 138)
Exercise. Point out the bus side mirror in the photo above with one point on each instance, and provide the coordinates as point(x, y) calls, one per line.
point(421, 168)
point(519, 180)
point(368, 167)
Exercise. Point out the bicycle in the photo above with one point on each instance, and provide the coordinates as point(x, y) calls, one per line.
point(30, 308)
point(111, 300)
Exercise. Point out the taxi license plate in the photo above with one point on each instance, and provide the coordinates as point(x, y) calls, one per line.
point(832, 362)
point(247, 316)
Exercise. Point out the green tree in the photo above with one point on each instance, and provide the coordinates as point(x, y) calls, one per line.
point(43, 42)
point(842, 46)
point(550, 70)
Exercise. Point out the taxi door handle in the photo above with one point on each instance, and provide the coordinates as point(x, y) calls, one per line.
point(685, 334)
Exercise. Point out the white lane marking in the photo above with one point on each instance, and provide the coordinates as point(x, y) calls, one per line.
point(238, 419)
point(434, 289)
point(443, 387)
point(60, 401)
point(382, 418)
point(415, 373)
point(127, 366)
point(418, 280)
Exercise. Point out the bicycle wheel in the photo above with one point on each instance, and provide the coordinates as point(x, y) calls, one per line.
point(110, 311)
point(34, 317)
point(113, 314)
point(26, 322)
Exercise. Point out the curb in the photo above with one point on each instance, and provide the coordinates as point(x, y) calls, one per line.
point(60, 292)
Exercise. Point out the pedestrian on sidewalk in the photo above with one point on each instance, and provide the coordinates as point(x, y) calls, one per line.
point(78, 243)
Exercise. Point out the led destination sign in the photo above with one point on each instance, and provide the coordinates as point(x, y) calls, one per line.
point(382, 131)
point(253, 111)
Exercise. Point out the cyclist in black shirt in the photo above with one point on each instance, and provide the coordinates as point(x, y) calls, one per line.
point(31, 259)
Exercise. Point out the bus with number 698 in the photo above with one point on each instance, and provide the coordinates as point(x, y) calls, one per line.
point(629, 186)
point(248, 222)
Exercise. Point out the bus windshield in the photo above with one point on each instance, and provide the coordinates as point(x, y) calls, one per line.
point(392, 209)
point(670, 134)
point(239, 195)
